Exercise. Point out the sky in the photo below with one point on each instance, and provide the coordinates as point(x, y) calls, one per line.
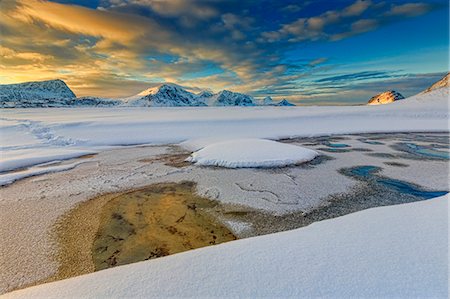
point(309, 52)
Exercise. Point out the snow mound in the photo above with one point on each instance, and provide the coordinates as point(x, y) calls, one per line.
point(246, 153)
point(396, 251)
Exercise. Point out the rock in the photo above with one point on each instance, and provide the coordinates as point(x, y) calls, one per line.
point(386, 97)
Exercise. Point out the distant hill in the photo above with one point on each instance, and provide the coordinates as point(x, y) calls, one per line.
point(444, 82)
point(386, 97)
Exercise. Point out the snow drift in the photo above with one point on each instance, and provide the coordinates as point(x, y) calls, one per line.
point(245, 153)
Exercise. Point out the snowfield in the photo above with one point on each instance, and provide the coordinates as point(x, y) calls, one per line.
point(396, 251)
point(52, 132)
point(246, 153)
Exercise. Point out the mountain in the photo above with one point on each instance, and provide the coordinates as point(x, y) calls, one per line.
point(51, 93)
point(229, 98)
point(164, 95)
point(93, 102)
point(385, 98)
point(55, 93)
point(285, 102)
point(172, 95)
point(444, 82)
point(268, 101)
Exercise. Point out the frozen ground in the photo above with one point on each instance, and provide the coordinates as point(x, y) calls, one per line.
point(397, 251)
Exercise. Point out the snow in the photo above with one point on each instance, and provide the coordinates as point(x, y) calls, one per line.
point(251, 153)
point(31, 132)
point(9, 178)
point(173, 95)
point(372, 253)
point(20, 158)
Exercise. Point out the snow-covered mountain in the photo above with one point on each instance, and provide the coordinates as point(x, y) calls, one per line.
point(51, 93)
point(444, 82)
point(385, 98)
point(164, 95)
point(93, 102)
point(172, 95)
point(55, 93)
point(229, 98)
point(284, 102)
point(268, 101)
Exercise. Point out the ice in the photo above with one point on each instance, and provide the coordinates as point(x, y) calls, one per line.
point(9, 178)
point(249, 153)
point(21, 158)
point(396, 251)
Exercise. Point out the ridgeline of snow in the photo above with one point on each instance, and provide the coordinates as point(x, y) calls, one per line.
point(386, 97)
point(251, 153)
point(444, 82)
point(396, 251)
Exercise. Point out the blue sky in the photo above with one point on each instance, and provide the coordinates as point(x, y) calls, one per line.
point(310, 52)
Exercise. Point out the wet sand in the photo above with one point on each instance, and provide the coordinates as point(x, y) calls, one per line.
point(121, 228)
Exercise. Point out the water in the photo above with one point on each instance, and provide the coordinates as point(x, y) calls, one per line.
point(373, 142)
point(427, 151)
point(337, 145)
point(368, 172)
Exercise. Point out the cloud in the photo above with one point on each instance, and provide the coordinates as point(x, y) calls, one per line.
point(291, 8)
point(409, 9)
point(356, 8)
point(169, 8)
point(357, 76)
point(122, 46)
point(359, 17)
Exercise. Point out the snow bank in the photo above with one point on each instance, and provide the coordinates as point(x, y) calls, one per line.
point(9, 178)
point(396, 251)
point(245, 153)
point(20, 158)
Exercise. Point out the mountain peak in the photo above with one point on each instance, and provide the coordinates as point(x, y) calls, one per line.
point(35, 93)
point(385, 98)
point(444, 82)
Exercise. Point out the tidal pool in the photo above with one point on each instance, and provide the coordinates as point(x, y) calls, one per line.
point(155, 221)
point(369, 173)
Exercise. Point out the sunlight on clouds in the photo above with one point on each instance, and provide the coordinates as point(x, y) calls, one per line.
point(124, 46)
